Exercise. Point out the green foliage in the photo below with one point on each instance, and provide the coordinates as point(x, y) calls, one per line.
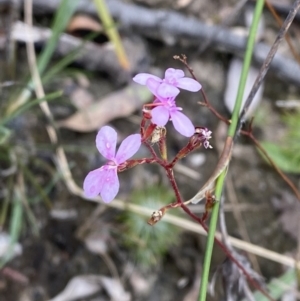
point(14, 158)
point(149, 243)
point(286, 155)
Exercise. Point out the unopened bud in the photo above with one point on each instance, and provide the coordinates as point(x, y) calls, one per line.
point(156, 216)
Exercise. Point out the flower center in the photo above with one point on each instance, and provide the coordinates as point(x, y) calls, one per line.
point(111, 164)
point(171, 81)
point(170, 103)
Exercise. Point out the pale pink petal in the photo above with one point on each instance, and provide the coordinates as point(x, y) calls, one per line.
point(93, 182)
point(188, 84)
point(176, 73)
point(110, 186)
point(160, 116)
point(182, 124)
point(142, 78)
point(167, 91)
point(106, 141)
point(152, 85)
point(128, 148)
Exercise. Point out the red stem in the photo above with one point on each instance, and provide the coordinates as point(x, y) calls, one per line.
point(227, 252)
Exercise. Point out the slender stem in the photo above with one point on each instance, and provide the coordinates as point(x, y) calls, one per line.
point(287, 37)
point(150, 148)
point(246, 65)
point(252, 281)
point(231, 133)
point(267, 62)
point(211, 108)
point(174, 184)
point(206, 103)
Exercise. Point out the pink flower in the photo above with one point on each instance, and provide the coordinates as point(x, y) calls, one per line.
point(206, 135)
point(104, 180)
point(166, 109)
point(168, 87)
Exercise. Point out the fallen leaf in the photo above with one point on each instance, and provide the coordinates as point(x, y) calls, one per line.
point(141, 284)
point(79, 287)
point(117, 104)
point(87, 285)
point(14, 275)
point(114, 289)
point(235, 68)
point(81, 98)
point(83, 22)
point(96, 242)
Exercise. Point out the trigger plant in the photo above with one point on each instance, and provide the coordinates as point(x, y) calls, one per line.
point(104, 180)
point(153, 135)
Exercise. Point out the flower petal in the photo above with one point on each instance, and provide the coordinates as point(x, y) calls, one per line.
point(93, 182)
point(106, 141)
point(110, 186)
point(128, 148)
point(189, 84)
point(142, 78)
point(152, 85)
point(160, 115)
point(173, 73)
point(166, 91)
point(182, 124)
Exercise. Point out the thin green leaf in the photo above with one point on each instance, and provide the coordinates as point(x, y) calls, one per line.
point(231, 132)
point(62, 17)
point(5, 203)
point(42, 194)
point(28, 105)
point(4, 134)
point(67, 60)
point(47, 189)
point(15, 228)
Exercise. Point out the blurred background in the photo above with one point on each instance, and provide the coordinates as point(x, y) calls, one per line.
point(65, 74)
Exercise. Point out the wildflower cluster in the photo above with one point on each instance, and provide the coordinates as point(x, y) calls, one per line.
point(165, 91)
point(104, 180)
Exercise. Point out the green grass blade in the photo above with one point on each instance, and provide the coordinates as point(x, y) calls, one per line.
point(112, 32)
point(15, 227)
point(28, 105)
point(231, 132)
point(5, 203)
point(42, 194)
point(62, 17)
point(47, 189)
point(4, 134)
point(64, 62)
